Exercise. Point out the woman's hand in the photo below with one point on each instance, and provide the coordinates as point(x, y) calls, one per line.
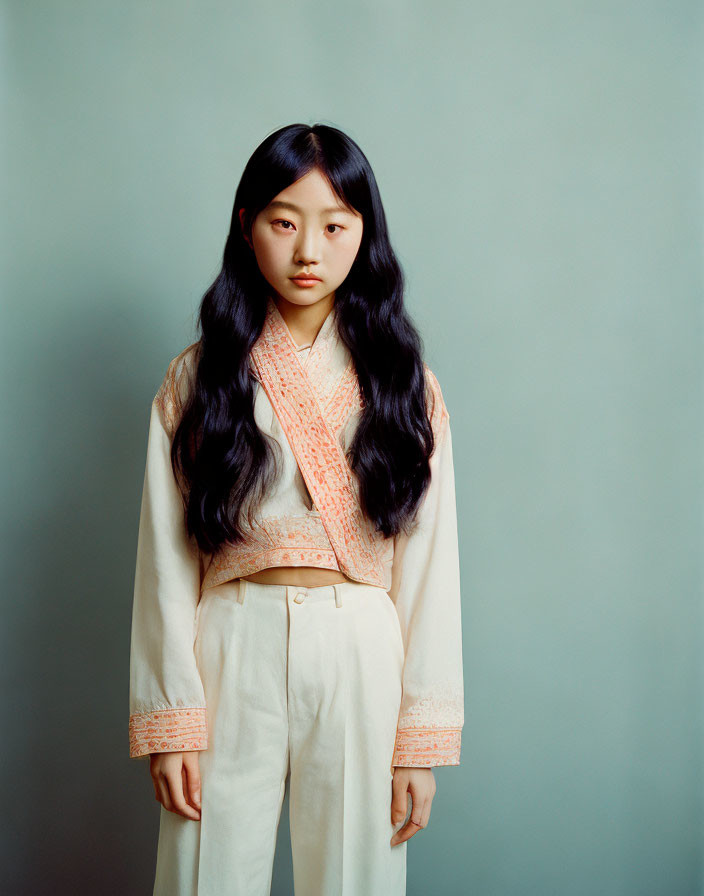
point(176, 778)
point(420, 784)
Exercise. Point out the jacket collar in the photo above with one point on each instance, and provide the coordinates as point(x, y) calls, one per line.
point(311, 402)
point(326, 361)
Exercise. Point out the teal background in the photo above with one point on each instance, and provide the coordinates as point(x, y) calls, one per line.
point(540, 166)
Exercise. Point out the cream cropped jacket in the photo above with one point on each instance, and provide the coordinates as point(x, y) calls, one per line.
point(308, 401)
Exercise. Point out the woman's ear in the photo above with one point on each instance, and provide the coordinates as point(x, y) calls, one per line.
point(244, 233)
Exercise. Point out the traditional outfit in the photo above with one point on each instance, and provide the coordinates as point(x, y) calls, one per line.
point(334, 684)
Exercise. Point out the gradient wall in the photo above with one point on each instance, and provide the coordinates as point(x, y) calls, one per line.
point(540, 166)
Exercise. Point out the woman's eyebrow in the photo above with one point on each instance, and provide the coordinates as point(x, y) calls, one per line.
point(334, 209)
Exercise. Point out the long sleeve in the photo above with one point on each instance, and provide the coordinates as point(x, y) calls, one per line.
point(166, 701)
point(426, 593)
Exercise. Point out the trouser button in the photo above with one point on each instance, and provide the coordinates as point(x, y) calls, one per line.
point(300, 597)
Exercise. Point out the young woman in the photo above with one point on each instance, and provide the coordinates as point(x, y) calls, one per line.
point(297, 597)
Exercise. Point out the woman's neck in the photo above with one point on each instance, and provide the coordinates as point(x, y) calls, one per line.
point(304, 321)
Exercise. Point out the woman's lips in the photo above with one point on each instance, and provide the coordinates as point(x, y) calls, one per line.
point(306, 281)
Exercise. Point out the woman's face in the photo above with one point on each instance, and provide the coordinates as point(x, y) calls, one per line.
point(305, 230)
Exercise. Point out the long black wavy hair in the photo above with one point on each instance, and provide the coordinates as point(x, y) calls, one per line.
point(218, 451)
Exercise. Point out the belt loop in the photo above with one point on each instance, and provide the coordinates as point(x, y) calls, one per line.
point(338, 596)
point(241, 590)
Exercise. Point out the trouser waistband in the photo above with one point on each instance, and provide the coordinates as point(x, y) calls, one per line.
point(300, 593)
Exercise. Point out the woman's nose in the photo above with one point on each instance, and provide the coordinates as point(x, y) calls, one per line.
point(307, 249)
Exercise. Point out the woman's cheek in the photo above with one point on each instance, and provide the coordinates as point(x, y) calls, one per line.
point(270, 260)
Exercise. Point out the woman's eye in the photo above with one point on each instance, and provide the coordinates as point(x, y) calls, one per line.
point(283, 221)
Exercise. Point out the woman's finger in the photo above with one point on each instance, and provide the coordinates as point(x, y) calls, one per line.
point(409, 829)
point(399, 799)
point(191, 771)
point(164, 795)
point(425, 812)
point(155, 782)
point(174, 777)
point(420, 813)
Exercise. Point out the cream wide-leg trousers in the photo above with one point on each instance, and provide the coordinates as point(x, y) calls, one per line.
point(306, 680)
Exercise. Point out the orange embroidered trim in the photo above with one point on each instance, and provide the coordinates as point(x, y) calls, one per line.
point(171, 396)
point(346, 399)
point(427, 747)
point(168, 730)
point(277, 541)
point(320, 458)
point(441, 706)
point(437, 410)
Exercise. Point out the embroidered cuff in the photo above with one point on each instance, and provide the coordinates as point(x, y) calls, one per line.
point(168, 730)
point(427, 747)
